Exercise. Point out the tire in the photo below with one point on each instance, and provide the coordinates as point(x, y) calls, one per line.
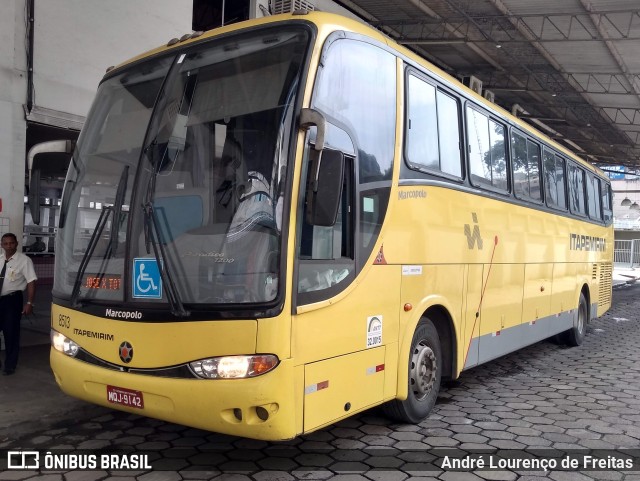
point(575, 335)
point(425, 373)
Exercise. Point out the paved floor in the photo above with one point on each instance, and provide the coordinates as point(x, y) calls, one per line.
point(545, 402)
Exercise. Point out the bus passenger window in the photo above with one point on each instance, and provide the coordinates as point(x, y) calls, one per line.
point(449, 134)
point(422, 125)
point(533, 170)
point(554, 175)
point(593, 197)
point(519, 162)
point(433, 134)
point(607, 210)
point(498, 155)
point(526, 168)
point(487, 156)
point(576, 190)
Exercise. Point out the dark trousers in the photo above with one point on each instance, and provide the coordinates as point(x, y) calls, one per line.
point(10, 314)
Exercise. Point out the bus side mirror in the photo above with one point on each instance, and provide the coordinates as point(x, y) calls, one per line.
point(34, 196)
point(324, 187)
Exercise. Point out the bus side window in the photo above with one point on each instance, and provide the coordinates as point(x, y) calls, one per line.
point(607, 211)
point(449, 134)
point(433, 129)
point(487, 155)
point(365, 111)
point(327, 252)
point(576, 190)
point(519, 163)
point(554, 175)
point(593, 197)
point(526, 168)
point(422, 125)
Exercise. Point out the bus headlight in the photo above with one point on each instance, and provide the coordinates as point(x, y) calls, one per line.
point(62, 343)
point(234, 367)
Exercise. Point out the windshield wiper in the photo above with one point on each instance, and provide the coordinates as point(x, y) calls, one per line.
point(117, 212)
point(149, 150)
point(153, 232)
point(153, 240)
point(93, 241)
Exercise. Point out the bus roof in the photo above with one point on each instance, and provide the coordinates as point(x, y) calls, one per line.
point(329, 22)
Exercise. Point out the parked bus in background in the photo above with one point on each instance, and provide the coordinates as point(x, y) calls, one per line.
point(276, 224)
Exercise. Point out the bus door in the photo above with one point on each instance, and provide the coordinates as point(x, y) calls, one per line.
point(345, 326)
point(346, 319)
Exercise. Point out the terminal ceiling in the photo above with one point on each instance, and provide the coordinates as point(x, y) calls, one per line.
point(572, 66)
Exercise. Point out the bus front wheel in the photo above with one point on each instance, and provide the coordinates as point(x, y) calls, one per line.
point(425, 372)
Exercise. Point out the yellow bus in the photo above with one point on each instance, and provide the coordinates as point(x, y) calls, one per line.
point(276, 224)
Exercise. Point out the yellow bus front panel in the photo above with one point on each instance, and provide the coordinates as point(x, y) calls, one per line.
point(260, 408)
point(155, 344)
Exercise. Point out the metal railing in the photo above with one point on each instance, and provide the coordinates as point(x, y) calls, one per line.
point(626, 253)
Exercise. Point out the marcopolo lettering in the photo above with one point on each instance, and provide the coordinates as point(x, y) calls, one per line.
point(123, 314)
point(412, 194)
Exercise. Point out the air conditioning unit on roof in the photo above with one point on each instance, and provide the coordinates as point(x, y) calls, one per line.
point(474, 83)
point(290, 6)
point(490, 96)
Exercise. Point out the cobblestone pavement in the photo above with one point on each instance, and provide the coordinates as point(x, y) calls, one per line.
point(547, 403)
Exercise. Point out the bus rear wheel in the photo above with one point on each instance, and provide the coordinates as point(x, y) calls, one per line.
point(425, 372)
point(575, 335)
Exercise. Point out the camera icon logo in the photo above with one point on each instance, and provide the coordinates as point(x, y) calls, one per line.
point(23, 459)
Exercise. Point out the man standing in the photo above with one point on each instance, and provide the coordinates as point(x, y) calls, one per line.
point(17, 274)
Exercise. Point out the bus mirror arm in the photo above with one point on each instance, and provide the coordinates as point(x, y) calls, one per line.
point(324, 185)
point(311, 117)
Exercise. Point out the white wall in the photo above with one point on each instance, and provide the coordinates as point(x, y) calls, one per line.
point(12, 131)
point(75, 41)
point(628, 188)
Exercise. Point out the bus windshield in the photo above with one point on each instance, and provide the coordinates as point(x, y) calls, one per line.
point(177, 184)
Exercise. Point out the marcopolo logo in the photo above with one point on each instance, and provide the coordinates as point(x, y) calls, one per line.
point(123, 314)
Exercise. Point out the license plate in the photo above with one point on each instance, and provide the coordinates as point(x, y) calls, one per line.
point(125, 397)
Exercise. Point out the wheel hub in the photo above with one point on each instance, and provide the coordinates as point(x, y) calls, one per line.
point(423, 370)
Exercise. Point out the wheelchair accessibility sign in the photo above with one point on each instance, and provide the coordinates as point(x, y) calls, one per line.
point(147, 282)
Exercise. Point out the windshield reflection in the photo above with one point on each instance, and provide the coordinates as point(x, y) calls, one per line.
point(211, 175)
